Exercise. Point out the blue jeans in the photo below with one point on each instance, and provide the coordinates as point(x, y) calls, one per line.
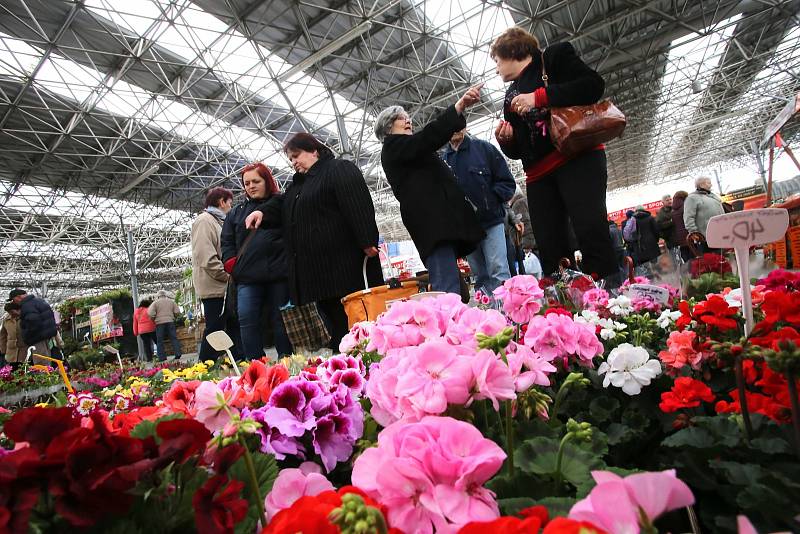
point(443, 269)
point(167, 329)
point(252, 298)
point(217, 320)
point(489, 262)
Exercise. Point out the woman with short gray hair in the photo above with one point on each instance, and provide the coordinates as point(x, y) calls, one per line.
point(441, 222)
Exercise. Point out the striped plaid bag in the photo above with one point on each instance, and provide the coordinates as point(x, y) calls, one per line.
point(305, 327)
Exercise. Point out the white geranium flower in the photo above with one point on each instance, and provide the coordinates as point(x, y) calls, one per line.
point(620, 305)
point(607, 333)
point(667, 317)
point(629, 368)
point(587, 317)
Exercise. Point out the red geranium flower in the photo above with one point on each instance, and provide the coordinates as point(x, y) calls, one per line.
point(772, 339)
point(716, 312)
point(257, 383)
point(181, 438)
point(562, 525)
point(534, 518)
point(686, 392)
point(218, 505)
point(686, 316)
point(558, 310)
point(756, 403)
point(38, 426)
point(18, 495)
point(124, 422)
point(781, 307)
point(222, 458)
point(180, 397)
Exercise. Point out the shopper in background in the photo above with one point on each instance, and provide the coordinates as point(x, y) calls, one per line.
point(328, 219)
point(519, 204)
point(163, 312)
point(258, 265)
point(664, 222)
point(37, 322)
point(144, 327)
point(12, 347)
point(645, 245)
point(208, 272)
point(619, 252)
point(700, 206)
point(441, 222)
point(482, 174)
point(680, 233)
point(559, 188)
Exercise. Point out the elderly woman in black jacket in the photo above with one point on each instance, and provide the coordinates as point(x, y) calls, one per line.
point(440, 220)
point(328, 220)
point(257, 265)
point(560, 189)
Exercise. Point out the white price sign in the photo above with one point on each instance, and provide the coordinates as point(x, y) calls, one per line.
point(741, 230)
point(657, 294)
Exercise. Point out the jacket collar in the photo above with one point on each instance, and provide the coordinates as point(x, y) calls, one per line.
point(464, 146)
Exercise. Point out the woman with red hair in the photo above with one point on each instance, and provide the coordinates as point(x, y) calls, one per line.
point(257, 264)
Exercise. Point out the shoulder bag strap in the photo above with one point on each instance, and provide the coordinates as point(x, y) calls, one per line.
point(545, 78)
point(246, 242)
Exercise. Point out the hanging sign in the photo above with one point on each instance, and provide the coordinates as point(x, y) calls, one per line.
point(740, 230)
point(659, 295)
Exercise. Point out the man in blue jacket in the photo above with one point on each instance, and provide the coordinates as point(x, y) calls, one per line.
point(483, 175)
point(37, 322)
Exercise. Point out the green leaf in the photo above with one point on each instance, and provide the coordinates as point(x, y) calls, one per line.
point(513, 505)
point(602, 408)
point(738, 473)
point(538, 456)
point(771, 445)
point(147, 428)
point(557, 506)
point(693, 436)
point(618, 434)
point(267, 471)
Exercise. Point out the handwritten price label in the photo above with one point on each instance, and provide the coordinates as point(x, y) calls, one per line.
point(657, 294)
point(743, 229)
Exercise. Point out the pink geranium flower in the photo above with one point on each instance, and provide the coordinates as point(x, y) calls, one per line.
point(680, 351)
point(616, 504)
point(527, 367)
point(430, 474)
point(492, 378)
point(521, 296)
point(292, 484)
point(211, 406)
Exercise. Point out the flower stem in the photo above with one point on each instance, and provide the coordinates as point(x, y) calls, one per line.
point(795, 410)
point(251, 470)
point(740, 385)
point(559, 458)
point(509, 439)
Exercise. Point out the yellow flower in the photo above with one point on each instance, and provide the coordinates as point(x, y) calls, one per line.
point(42, 405)
point(209, 363)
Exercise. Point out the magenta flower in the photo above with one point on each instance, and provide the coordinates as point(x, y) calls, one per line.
point(521, 296)
point(292, 484)
point(617, 504)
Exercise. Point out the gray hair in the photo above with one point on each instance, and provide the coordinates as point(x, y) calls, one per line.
point(161, 293)
point(701, 180)
point(384, 120)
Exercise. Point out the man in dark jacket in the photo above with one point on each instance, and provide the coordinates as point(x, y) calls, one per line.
point(483, 175)
point(666, 226)
point(619, 251)
point(646, 243)
point(37, 322)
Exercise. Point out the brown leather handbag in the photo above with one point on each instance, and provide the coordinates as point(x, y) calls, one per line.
point(574, 129)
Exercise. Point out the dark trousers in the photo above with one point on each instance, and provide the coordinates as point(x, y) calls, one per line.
point(167, 330)
point(574, 192)
point(148, 339)
point(251, 300)
point(335, 319)
point(217, 320)
point(442, 266)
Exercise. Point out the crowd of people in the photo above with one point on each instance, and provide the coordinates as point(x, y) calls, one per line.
point(318, 241)
point(680, 224)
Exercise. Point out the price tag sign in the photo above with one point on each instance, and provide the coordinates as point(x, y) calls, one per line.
point(741, 230)
point(747, 228)
point(659, 295)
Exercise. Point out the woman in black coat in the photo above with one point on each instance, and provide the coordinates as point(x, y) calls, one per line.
point(441, 222)
point(560, 189)
point(258, 268)
point(328, 219)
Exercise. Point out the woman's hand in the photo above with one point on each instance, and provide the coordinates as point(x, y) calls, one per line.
point(253, 220)
point(504, 132)
point(523, 103)
point(371, 251)
point(470, 98)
